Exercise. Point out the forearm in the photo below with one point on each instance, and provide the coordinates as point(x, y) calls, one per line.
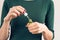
point(4, 30)
point(47, 34)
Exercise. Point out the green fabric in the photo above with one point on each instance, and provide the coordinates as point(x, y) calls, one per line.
point(39, 11)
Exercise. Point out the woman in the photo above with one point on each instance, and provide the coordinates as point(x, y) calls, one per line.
point(40, 11)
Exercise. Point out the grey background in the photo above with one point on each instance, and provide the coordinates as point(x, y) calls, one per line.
point(56, 17)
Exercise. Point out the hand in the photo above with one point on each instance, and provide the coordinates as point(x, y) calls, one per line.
point(14, 12)
point(36, 28)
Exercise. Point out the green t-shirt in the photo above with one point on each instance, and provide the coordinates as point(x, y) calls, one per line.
point(41, 11)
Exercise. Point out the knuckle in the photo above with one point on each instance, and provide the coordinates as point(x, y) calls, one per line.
point(30, 31)
point(13, 7)
point(21, 7)
point(10, 8)
point(36, 22)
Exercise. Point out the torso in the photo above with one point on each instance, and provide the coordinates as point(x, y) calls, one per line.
point(36, 10)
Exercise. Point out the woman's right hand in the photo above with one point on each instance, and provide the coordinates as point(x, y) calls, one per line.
point(14, 12)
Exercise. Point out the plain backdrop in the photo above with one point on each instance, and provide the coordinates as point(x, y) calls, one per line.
point(56, 17)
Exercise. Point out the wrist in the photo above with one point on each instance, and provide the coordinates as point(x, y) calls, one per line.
point(6, 20)
point(45, 29)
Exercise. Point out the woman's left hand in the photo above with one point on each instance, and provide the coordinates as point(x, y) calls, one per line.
point(36, 28)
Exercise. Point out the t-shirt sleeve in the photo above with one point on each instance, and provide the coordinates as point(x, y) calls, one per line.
point(49, 21)
point(5, 10)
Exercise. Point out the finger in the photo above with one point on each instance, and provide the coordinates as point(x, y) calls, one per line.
point(20, 9)
point(27, 24)
point(17, 12)
point(40, 30)
point(31, 25)
point(14, 15)
point(34, 31)
point(34, 27)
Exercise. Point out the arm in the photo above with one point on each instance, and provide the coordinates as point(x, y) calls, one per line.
point(4, 24)
point(47, 28)
point(47, 34)
point(37, 28)
point(49, 21)
point(4, 30)
point(7, 17)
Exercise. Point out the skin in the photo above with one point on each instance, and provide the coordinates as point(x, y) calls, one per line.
point(34, 28)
